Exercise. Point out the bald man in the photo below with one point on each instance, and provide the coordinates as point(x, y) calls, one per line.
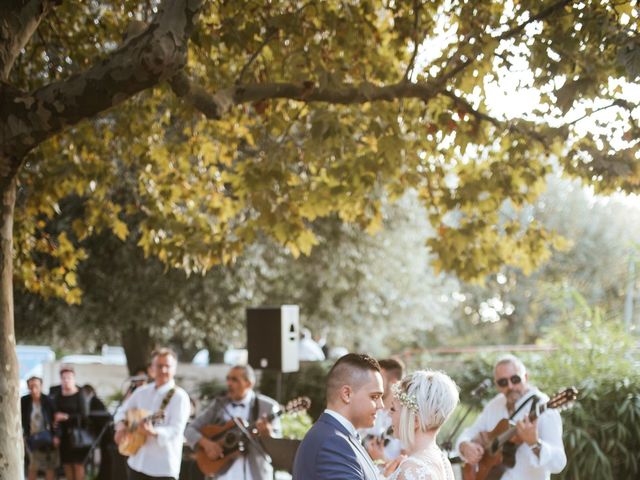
point(331, 449)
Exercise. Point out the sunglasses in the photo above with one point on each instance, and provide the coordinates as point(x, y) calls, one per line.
point(503, 382)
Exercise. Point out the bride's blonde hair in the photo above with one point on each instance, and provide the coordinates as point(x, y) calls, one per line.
point(426, 396)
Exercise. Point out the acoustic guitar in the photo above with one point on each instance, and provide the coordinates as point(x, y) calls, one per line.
point(232, 438)
point(133, 439)
point(503, 439)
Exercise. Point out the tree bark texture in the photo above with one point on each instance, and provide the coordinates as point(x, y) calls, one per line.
point(11, 449)
point(143, 61)
point(29, 118)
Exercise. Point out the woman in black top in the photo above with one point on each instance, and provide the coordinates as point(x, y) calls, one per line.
point(71, 411)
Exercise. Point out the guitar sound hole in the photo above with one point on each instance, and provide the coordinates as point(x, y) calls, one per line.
point(494, 446)
point(231, 440)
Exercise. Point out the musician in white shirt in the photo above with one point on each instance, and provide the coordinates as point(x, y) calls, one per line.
point(161, 454)
point(542, 452)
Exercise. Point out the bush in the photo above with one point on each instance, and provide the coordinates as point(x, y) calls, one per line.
point(295, 425)
point(602, 430)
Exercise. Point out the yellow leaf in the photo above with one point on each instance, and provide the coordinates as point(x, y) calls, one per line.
point(120, 229)
point(71, 279)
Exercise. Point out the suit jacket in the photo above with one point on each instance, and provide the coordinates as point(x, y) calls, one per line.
point(48, 408)
point(215, 414)
point(330, 452)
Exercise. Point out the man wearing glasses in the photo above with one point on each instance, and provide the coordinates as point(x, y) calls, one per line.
point(240, 402)
point(542, 451)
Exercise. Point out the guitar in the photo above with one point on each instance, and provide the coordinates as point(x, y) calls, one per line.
point(232, 439)
point(133, 439)
point(501, 439)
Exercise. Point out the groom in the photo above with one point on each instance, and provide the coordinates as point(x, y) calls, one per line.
point(331, 450)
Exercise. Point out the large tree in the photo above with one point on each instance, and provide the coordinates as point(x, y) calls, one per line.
point(236, 117)
point(360, 290)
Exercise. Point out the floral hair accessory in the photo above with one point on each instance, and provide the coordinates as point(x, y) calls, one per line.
point(408, 401)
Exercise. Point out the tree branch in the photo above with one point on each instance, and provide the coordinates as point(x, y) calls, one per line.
point(29, 118)
point(18, 22)
point(216, 105)
point(446, 76)
point(416, 11)
point(544, 13)
point(500, 124)
point(616, 103)
point(467, 107)
point(264, 43)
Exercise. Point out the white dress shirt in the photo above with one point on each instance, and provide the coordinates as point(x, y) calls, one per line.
point(160, 456)
point(239, 469)
point(344, 422)
point(529, 466)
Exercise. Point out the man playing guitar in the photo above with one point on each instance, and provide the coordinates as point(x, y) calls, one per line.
point(240, 402)
point(541, 451)
point(160, 453)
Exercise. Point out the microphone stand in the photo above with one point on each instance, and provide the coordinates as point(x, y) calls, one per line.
point(89, 456)
point(250, 438)
point(448, 443)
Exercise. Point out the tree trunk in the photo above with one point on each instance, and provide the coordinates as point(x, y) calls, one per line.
point(11, 448)
point(138, 345)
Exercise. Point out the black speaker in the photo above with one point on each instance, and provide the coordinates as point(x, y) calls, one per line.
point(273, 335)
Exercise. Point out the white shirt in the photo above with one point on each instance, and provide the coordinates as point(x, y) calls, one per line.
point(160, 456)
point(529, 466)
point(343, 421)
point(239, 469)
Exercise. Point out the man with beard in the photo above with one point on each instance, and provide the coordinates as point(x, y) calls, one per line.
point(541, 452)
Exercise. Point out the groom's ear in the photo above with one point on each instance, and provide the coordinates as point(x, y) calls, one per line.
point(346, 393)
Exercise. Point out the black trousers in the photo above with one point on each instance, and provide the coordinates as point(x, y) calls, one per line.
point(133, 475)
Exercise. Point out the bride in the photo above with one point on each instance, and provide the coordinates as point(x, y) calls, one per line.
point(422, 402)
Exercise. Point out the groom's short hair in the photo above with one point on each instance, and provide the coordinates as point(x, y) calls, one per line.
point(351, 369)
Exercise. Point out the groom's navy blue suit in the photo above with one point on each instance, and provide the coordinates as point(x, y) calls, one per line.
point(330, 452)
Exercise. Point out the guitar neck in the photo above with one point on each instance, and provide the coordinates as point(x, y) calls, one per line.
point(510, 433)
point(149, 418)
point(269, 418)
point(298, 404)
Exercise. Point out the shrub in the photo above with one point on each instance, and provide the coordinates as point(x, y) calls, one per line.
point(602, 430)
point(295, 425)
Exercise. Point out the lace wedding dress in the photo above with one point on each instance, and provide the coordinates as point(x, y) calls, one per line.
point(424, 466)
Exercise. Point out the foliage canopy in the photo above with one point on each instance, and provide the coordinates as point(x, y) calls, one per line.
point(322, 108)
